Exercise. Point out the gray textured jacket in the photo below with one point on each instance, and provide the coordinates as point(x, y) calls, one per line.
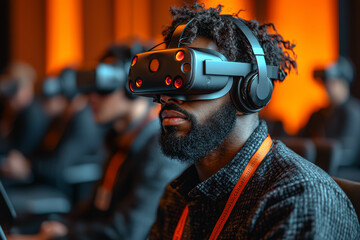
point(287, 198)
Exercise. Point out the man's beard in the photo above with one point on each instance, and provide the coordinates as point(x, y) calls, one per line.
point(201, 139)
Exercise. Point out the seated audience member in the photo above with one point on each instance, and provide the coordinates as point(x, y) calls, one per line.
point(72, 138)
point(241, 184)
point(340, 119)
point(136, 172)
point(23, 123)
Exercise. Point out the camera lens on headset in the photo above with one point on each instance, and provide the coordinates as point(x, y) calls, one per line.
point(178, 82)
point(179, 56)
point(154, 65)
point(168, 80)
point(134, 61)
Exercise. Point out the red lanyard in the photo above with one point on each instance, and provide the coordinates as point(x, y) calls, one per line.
point(235, 194)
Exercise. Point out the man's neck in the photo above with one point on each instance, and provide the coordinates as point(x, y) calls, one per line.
point(221, 156)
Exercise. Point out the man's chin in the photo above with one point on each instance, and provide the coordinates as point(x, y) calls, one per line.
point(173, 131)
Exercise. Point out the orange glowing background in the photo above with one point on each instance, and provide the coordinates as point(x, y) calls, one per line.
point(64, 39)
point(122, 19)
point(132, 19)
point(313, 27)
point(233, 7)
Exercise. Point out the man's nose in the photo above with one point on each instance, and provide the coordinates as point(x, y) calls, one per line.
point(165, 99)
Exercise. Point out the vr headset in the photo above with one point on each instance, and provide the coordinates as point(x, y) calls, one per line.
point(202, 74)
point(105, 79)
point(111, 73)
point(51, 87)
point(342, 69)
point(65, 84)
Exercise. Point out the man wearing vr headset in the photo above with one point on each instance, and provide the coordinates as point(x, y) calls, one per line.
point(242, 184)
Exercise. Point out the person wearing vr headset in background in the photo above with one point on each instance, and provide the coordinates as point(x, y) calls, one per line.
point(72, 139)
point(23, 122)
point(340, 119)
point(124, 202)
point(241, 184)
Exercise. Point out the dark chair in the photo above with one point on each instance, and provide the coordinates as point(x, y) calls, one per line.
point(349, 172)
point(302, 146)
point(352, 190)
point(328, 154)
point(42, 199)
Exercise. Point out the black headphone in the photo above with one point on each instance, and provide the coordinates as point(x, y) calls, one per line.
point(253, 92)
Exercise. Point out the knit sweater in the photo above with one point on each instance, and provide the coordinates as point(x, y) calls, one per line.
point(288, 197)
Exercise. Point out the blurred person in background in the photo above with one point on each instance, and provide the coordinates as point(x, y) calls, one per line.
point(123, 204)
point(340, 119)
point(23, 122)
point(72, 139)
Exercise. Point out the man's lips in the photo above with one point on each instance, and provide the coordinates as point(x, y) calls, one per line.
point(172, 117)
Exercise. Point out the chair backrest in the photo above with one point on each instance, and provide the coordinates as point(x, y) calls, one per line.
point(328, 154)
point(302, 146)
point(352, 190)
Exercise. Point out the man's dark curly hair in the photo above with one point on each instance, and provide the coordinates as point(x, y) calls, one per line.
point(230, 40)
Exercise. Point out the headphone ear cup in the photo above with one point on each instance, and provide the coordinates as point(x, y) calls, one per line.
point(259, 96)
point(238, 95)
point(245, 94)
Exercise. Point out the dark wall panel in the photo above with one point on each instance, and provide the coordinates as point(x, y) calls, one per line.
point(4, 30)
point(98, 29)
point(349, 36)
point(27, 33)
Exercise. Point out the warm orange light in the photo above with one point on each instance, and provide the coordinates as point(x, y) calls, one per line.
point(64, 38)
point(186, 67)
point(233, 7)
point(168, 80)
point(139, 83)
point(134, 61)
point(316, 39)
point(179, 56)
point(178, 82)
point(131, 86)
point(132, 19)
point(154, 65)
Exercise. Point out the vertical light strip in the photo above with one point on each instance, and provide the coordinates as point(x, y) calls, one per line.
point(64, 36)
point(27, 33)
point(141, 19)
point(233, 6)
point(132, 20)
point(122, 19)
point(313, 27)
